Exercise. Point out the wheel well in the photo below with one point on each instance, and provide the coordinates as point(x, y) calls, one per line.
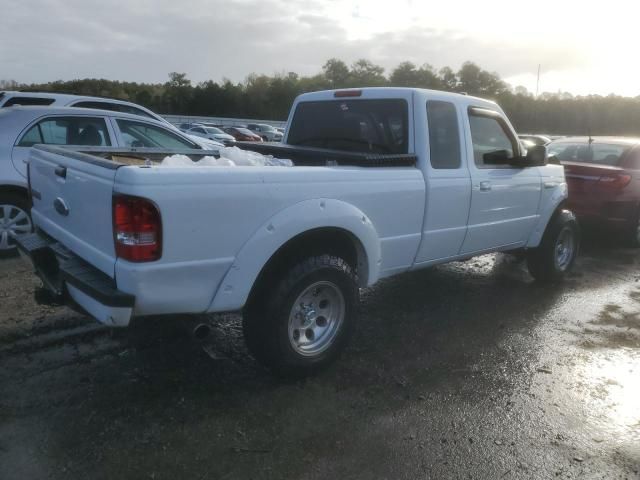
point(14, 189)
point(332, 241)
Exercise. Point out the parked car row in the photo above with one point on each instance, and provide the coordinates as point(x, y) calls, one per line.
point(252, 132)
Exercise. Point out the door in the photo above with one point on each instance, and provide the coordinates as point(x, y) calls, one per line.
point(504, 199)
point(60, 130)
point(448, 184)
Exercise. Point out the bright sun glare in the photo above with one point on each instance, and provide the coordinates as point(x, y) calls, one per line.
point(602, 43)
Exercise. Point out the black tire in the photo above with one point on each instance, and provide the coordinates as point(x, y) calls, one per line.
point(633, 232)
point(264, 138)
point(543, 262)
point(21, 202)
point(266, 316)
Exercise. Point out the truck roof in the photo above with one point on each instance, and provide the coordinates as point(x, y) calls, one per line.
point(390, 92)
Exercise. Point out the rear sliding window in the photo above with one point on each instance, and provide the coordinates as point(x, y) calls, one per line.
point(27, 101)
point(596, 153)
point(369, 126)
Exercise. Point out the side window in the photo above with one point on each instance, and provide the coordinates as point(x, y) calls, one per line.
point(444, 136)
point(68, 131)
point(28, 101)
point(137, 134)
point(490, 138)
point(32, 137)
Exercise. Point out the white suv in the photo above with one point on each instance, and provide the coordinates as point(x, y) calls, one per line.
point(11, 98)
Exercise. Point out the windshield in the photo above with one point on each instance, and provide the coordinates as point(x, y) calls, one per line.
point(214, 130)
point(370, 126)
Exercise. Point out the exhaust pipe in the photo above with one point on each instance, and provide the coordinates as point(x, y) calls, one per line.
point(201, 332)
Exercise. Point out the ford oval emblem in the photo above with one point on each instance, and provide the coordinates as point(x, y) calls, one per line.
point(61, 207)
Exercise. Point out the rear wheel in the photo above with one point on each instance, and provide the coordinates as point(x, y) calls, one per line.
point(558, 250)
point(15, 221)
point(303, 323)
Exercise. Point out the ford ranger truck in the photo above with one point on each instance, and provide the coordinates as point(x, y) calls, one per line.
point(385, 181)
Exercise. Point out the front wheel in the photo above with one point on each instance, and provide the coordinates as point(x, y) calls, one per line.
point(558, 250)
point(633, 235)
point(303, 324)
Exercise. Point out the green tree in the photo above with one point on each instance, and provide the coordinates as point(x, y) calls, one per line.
point(448, 79)
point(336, 73)
point(366, 74)
point(177, 93)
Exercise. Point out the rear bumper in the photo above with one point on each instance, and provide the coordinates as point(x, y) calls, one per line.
point(72, 280)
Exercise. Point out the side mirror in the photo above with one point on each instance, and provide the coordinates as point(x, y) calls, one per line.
point(536, 157)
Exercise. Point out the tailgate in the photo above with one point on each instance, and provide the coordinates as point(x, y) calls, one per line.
point(72, 202)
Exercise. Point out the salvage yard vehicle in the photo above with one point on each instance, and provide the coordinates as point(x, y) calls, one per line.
point(242, 134)
point(385, 180)
point(23, 127)
point(267, 132)
point(212, 133)
point(603, 176)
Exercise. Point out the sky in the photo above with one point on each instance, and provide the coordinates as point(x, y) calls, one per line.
point(582, 47)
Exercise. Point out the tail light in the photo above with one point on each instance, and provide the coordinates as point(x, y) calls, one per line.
point(137, 229)
point(615, 181)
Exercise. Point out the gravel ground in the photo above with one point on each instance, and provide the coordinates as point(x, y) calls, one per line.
point(469, 370)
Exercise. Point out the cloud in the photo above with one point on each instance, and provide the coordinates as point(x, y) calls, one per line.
point(143, 40)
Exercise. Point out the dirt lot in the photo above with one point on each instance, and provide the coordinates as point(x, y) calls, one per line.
point(465, 371)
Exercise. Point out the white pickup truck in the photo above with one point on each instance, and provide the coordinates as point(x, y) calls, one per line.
point(385, 180)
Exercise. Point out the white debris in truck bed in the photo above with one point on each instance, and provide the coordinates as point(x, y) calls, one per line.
point(229, 157)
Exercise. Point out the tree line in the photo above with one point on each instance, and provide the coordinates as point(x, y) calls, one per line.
point(270, 97)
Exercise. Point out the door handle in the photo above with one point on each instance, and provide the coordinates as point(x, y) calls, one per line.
point(61, 172)
point(485, 186)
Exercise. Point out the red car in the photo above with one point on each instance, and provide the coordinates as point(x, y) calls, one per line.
point(242, 134)
point(603, 176)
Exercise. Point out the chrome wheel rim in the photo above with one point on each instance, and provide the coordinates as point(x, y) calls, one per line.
point(14, 222)
point(315, 318)
point(565, 248)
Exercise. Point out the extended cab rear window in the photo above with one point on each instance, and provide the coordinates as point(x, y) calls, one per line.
point(369, 126)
